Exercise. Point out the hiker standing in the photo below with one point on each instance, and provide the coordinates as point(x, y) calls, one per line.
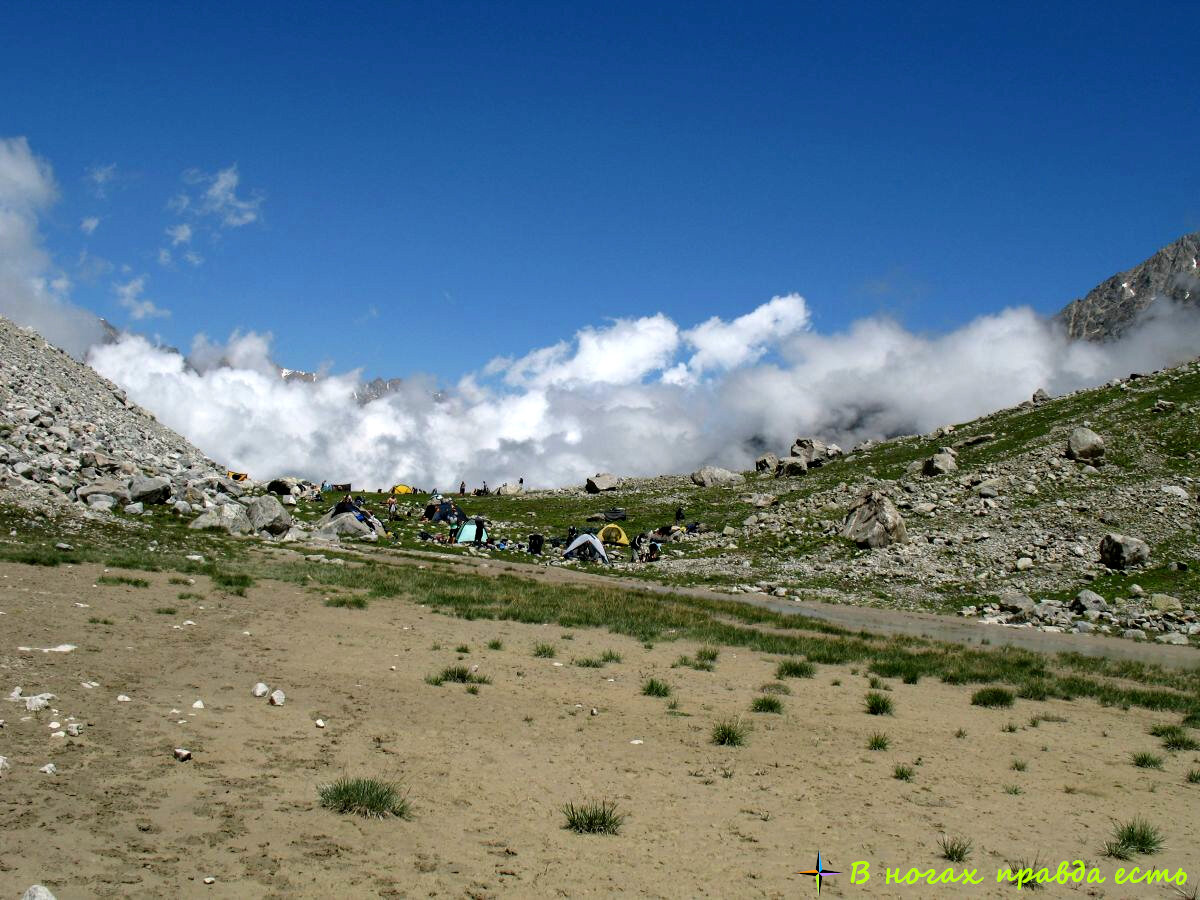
point(462, 488)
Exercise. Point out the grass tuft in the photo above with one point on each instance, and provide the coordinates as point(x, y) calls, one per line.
point(767, 704)
point(368, 797)
point(776, 687)
point(795, 668)
point(545, 651)
point(610, 656)
point(1146, 760)
point(456, 675)
point(1175, 738)
point(878, 704)
point(729, 733)
point(655, 688)
point(346, 602)
point(903, 773)
point(495, 644)
point(166, 610)
point(992, 697)
point(955, 849)
point(1135, 836)
point(878, 741)
point(593, 817)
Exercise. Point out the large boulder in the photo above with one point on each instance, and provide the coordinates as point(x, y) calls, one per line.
point(344, 525)
point(1086, 601)
point(228, 486)
point(229, 517)
point(1085, 445)
point(1119, 551)
point(939, 464)
point(283, 487)
point(711, 476)
point(150, 489)
point(814, 453)
point(793, 465)
point(766, 463)
point(602, 481)
point(117, 488)
point(267, 514)
point(509, 490)
point(874, 521)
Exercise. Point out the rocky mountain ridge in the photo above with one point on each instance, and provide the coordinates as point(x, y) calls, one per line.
point(1109, 309)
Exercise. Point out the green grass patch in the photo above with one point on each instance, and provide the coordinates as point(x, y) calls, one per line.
point(729, 733)
point(955, 849)
point(367, 797)
point(878, 741)
point(545, 651)
point(795, 668)
point(166, 610)
point(1135, 836)
point(593, 817)
point(992, 697)
point(495, 644)
point(655, 688)
point(457, 675)
point(340, 602)
point(1144, 760)
point(878, 704)
point(903, 773)
point(767, 704)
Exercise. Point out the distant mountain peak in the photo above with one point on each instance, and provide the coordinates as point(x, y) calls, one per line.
point(1173, 273)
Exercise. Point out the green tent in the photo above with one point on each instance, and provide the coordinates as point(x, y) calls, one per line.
point(472, 531)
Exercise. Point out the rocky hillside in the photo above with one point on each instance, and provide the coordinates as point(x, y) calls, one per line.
point(64, 428)
point(1110, 308)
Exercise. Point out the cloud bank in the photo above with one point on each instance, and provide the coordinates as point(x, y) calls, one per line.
point(614, 399)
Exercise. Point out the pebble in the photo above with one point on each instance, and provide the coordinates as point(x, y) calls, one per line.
point(4, 764)
point(182, 755)
point(49, 769)
point(74, 729)
point(210, 880)
point(277, 698)
point(199, 704)
point(121, 698)
point(37, 892)
point(320, 723)
point(261, 690)
point(637, 742)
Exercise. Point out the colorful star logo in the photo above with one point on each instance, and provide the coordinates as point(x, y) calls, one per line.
point(820, 872)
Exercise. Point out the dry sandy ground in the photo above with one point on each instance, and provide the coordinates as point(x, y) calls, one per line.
point(488, 773)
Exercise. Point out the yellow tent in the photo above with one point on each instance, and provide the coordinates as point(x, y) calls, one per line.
point(613, 534)
point(237, 476)
point(401, 489)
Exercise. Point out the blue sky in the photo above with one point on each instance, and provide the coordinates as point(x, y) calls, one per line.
point(421, 187)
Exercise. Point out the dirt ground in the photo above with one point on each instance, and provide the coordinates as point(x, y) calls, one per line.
point(487, 774)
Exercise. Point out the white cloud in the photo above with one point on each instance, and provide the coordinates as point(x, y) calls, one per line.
point(164, 256)
point(32, 292)
point(622, 353)
point(129, 295)
point(192, 258)
point(89, 225)
point(99, 178)
point(218, 197)
point(180, 234)
point(565, 411)
point(727, 345)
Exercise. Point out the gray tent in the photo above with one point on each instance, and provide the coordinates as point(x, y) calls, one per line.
point(585, 544)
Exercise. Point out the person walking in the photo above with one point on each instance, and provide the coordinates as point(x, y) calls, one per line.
point(462, 489)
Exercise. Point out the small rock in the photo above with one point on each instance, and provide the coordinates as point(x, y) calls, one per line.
point(4, 765)
point(121, 698)
point(1118, 551)
point(277, 698)
point(1024, 564)
point(320, 723)
point(182, 755)
point(210, 880)
point(199, 704)
point(74, 729)
point(49, 769)
point(38, 892)
point(261, 690)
